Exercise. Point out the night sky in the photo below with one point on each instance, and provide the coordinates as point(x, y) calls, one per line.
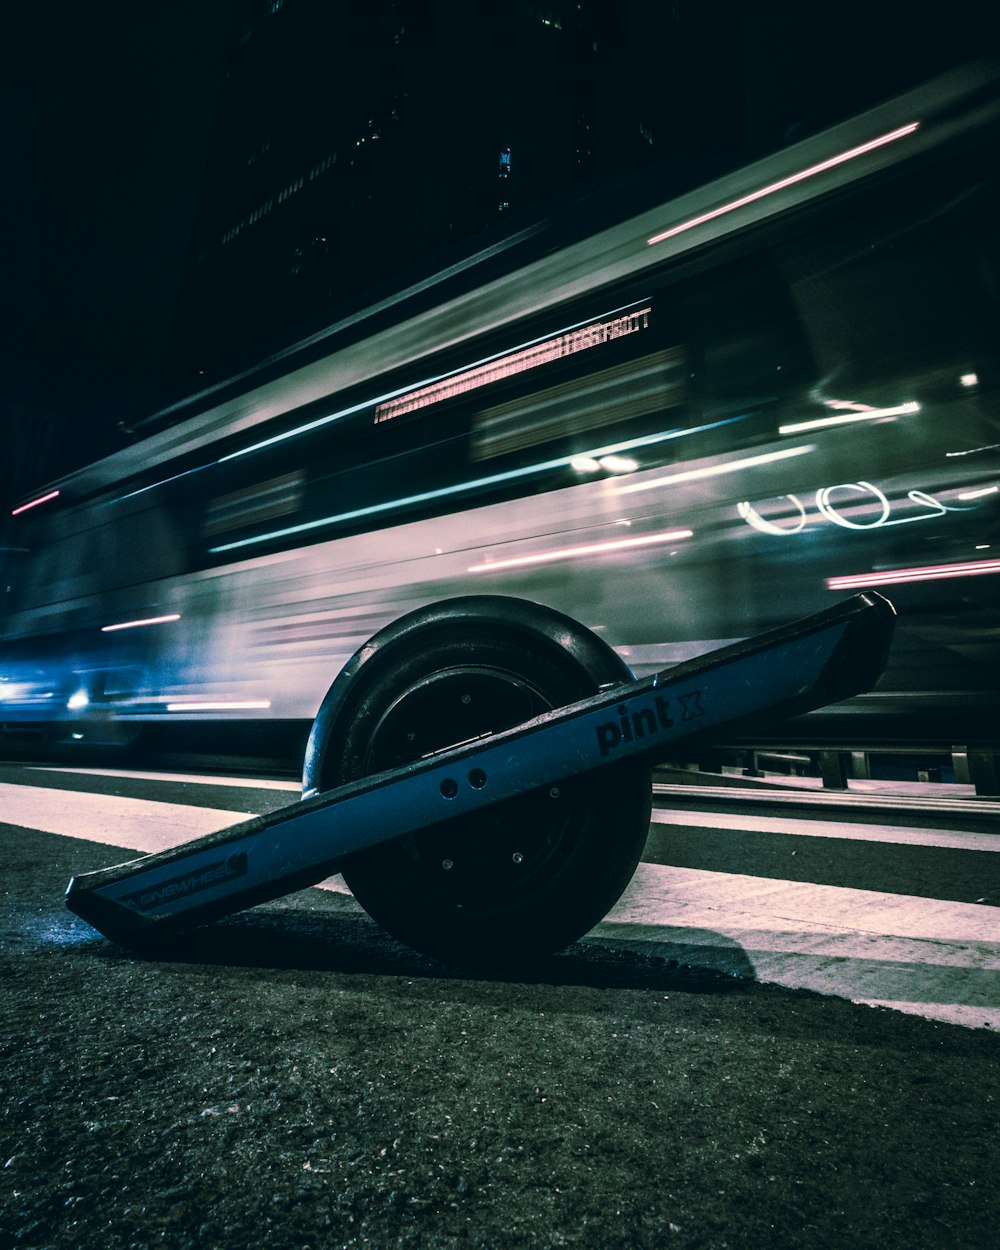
point(107, 110)
point(106, 114)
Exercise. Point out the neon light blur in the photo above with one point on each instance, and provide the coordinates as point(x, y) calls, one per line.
point(443, 492)
point(589, 549)
point(618, 464)
point(435, 389)
point(299, 429)
point(826, 506)
point(972, 451)
point(149, 620)
point(831, 163)
point(531, 357)
point(846, 418)
point(716, 470)
point(928, 573)
point(241, 705)
point(752, 517)
point(53, 494)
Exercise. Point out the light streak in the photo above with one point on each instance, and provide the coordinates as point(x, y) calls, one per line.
point(830, 512)
point(381, 402)
point(978, 494)
point(752, 517)
point(972, 451)
point(299, 429)
point(716, 470)
point(618, 464)
point(540, 352)
point(479, 373)
point(926, 573)
point(869, 414)
point(587, 549)
point(357, 318)
point(494, 479)
point(53, 494)
point(773, 187)
point(165, 481)
point(221, 705)
point(826, 507)
point(149, 620)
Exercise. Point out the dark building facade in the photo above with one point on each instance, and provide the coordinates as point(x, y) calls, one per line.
point(358, 146)
point(362, 146)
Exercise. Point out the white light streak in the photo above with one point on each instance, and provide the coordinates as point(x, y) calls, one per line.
point(53, 494)
point(978, 494)
point(299, 429)
point(969, 379)
point(832, 514)
point(587, 549)
point(149, 620)
point(77, 701)
point(831, 163)
point(443, 492)
point(752, 517)
point(221, 705)
point(176, 477)
point(972, 451)
point(716, 470)
point(927, 573)
point(619, 464)
point(846, 418)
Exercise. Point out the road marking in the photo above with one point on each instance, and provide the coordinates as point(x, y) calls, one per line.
point(246, 783)
point(924, 956)
point(138, 824)
point(958, 840)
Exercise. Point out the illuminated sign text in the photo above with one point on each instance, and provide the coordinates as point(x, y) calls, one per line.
point(568, 344)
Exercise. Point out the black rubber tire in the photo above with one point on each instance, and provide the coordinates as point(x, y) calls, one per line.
point(527, 876)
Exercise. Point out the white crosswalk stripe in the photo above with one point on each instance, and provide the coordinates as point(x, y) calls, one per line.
point(138, 824)
point(929, 957)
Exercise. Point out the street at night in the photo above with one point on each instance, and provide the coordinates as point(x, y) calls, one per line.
point(499, 651)
point(291, 1076)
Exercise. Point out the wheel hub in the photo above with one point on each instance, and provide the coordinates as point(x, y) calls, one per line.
point(505, 844)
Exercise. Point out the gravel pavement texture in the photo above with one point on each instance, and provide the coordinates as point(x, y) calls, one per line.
point(293, 1078)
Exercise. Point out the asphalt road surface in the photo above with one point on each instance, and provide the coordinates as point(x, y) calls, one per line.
point(290, 1077)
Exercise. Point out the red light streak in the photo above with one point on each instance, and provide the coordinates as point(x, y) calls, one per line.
point(53, 494)
point(831, 163)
